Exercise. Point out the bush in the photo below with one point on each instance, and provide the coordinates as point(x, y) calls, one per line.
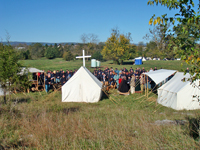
point(68, 56)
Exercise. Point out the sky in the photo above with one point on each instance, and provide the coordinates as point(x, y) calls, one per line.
point(57, 21)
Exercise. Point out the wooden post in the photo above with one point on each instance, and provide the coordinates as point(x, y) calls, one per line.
point(37, 82)
point(147, 87)
point(44, 80)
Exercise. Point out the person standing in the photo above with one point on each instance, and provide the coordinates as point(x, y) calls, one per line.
point(116, 79)
point(48, 82)
point(57, 76)
point(132, 84)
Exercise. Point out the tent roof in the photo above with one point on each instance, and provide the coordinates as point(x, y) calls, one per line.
point(31, 70)
point(160, 75)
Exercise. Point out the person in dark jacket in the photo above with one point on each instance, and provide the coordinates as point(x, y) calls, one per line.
point(57, 76)
point(48, 82)
point(63, 80)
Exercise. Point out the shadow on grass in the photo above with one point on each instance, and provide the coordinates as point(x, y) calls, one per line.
point(104, 96)
point(128, 63)
point(21, 100)
point(194, 127)
point(70, 110)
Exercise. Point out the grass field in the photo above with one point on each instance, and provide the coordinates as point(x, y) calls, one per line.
point(41, 121)
point(59, 63)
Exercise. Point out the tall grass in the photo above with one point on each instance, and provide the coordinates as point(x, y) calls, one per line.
point(41, 121)
point(47, 123)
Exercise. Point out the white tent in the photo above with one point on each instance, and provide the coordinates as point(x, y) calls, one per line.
point(178, 94)
point(144, 59)
point(160, 75)
point(31, 70)
point(82, 87)
point(1, 91)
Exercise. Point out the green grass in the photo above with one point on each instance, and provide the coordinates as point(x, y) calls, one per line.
point(41, 121)
point(59, 63)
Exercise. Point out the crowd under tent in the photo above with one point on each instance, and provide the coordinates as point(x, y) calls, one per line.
point(178, 94)
point(36, 82)
point(82, 87)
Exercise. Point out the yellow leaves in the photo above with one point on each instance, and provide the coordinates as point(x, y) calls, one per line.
point(116, 47)
point(151, 21)
point(155, 21)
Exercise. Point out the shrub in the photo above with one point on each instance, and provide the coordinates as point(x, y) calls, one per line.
point(68, 56)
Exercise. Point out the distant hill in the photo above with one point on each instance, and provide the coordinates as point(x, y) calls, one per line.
point(13, 43)
point(43, 43)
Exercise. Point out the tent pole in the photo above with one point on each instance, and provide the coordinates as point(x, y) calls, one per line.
point(156, 99)
point(37, 81)
point(44, 81)
point(147, 87)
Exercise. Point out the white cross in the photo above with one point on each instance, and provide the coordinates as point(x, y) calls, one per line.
point(83, 57)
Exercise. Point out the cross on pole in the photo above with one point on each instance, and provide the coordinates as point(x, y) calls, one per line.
point(83, 57)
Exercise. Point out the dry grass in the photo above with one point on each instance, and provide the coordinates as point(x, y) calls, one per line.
point(50, 124)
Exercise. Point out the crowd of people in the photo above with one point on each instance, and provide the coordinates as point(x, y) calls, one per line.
point(109, 75)
point(123, 79)
point(54, 77)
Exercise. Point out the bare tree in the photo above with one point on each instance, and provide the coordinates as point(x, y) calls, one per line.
point(91, 40)
point(84, 38)
point(158, 35)
point(7, 37)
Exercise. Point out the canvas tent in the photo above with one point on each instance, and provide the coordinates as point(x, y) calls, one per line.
point(31, 70)
point(160, 75)
point(1, 91)
point(82, 87)
point(179, 95)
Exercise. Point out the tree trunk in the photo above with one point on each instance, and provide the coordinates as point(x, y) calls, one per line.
point(116, 62)
point(121, 62)
point(4, 97)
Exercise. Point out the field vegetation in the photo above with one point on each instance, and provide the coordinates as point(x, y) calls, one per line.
point(41, 121)
point(59, 63)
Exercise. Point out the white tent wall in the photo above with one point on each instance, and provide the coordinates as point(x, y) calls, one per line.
point(82, 87)
point(178, 94)
point(1, 91)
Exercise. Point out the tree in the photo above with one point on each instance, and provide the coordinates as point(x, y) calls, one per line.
point(97, 55)
point(50, 53)
point(186, 31)
point(9, 67)
point(116, 48)
point(37, 50)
